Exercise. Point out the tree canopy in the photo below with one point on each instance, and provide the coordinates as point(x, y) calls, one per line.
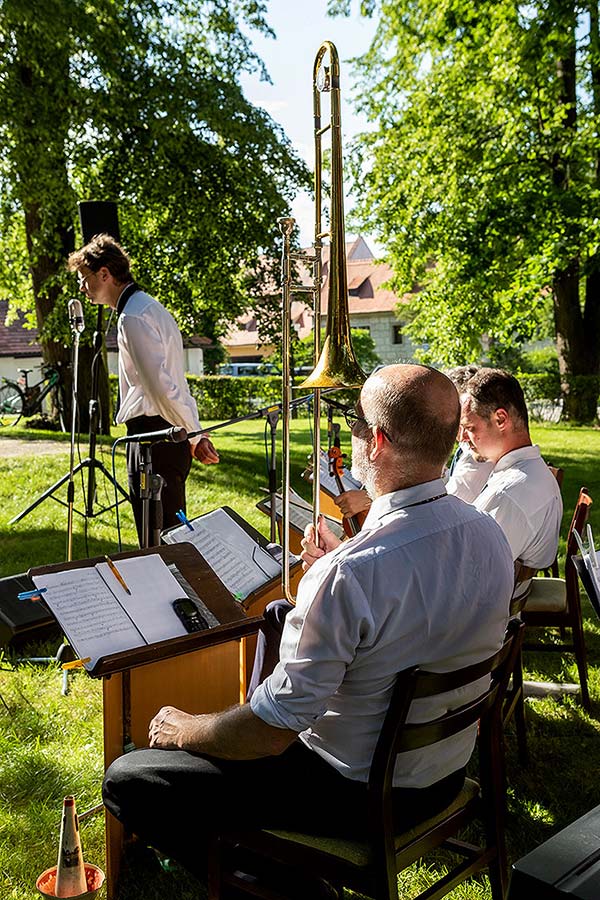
point(481, 174)
point(138, 101)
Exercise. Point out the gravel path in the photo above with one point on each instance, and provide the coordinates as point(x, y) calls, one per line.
point(13, 447)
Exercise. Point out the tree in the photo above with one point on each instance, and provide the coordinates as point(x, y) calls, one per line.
point(138, 101)
point(303, 350)
point(481, 176)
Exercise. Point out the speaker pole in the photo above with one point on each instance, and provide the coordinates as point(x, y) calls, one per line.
point(95, 217)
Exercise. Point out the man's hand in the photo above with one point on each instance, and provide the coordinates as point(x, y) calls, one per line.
point(204, 451)
point(172, 729)
point(327, 542)
point(235, 733)
point(352, 503)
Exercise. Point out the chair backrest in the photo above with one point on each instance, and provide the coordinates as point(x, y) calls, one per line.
point(578, 523)
point(523, 576)
point(398, 735)
point(558, 473)
point(552, 569)
point(579, 520)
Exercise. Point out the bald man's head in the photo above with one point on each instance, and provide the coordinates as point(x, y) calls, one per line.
point(417, 407)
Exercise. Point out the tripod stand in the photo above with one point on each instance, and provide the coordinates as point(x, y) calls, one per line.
point(90, 463)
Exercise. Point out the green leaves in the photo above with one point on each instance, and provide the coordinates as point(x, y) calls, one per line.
point(138, 101)
point(481, 176)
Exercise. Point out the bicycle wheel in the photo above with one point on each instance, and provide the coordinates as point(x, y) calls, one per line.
point(58, 401)
point(12, 401)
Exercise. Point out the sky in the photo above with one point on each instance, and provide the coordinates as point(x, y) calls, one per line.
point(300, 27)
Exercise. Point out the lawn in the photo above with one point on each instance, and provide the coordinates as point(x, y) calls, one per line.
point(50, 745)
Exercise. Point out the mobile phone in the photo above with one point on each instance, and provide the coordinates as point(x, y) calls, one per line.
point(190, 615)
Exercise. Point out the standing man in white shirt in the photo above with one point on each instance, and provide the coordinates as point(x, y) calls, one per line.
point(521, 492)
point(427, 581)
point(153, 390)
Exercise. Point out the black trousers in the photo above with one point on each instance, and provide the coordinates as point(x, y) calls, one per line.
point(176, 800)
point(172, 461)
point(266, 655)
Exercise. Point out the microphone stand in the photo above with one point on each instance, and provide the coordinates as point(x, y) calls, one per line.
point(150, 491)
point(76, 329)
point(272, 419)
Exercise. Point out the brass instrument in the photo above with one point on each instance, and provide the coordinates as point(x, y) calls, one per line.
point(336, 366)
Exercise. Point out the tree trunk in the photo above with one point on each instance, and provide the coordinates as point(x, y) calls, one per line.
point(577, 343)
point(40, 127)
point(577, 328)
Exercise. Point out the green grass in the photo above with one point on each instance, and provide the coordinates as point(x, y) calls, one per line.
point(51, 745)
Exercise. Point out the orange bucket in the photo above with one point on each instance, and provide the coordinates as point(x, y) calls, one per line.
point(46, 883)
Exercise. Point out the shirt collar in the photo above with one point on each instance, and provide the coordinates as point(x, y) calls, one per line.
point(124, 296)
point(515, 456)
point(397, 500)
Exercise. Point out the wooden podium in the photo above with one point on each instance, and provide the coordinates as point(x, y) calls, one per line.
point(200, 672)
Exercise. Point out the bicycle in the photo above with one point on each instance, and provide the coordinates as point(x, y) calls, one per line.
point(19, 398)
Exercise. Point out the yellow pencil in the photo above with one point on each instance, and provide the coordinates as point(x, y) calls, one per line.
point(116, 573)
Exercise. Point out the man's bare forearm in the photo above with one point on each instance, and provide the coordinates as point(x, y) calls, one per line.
point(235, 733)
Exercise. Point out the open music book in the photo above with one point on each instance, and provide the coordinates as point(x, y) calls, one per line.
point(588, 568)
point(301, 513)
point(100, 618)
point(238, 554)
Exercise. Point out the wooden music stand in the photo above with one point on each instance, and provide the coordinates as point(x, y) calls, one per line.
point(199, 672)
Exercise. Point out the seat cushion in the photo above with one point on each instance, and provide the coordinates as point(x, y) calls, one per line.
point(358, 852)
point(548, 595)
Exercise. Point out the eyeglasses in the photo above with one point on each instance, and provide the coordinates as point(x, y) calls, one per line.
point(352, 418)
point(82, 280)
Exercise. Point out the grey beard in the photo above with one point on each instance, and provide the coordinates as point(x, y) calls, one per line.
point(363, 474)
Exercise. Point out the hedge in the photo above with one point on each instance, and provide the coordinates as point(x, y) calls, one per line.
point(223, 397)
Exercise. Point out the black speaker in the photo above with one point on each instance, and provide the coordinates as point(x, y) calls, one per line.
point(98, 217)
point(23, 620)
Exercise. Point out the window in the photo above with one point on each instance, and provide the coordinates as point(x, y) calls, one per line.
point(397, 334)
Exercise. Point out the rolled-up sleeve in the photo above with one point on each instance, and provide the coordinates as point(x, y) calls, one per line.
point(319, 641)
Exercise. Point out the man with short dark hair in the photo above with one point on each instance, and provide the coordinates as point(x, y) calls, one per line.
point(521, 493)
point(468, 471)
point(426, 581)
point(153, 390)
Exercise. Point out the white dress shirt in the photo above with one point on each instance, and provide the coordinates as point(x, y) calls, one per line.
point(426, 584)
point(523, 496)
point(151, 372)
point(469, 475)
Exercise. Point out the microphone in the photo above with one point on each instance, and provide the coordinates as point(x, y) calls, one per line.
point(76, 319)
point(336, 404)
point(176, 434)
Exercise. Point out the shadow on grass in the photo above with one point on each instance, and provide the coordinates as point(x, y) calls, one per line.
point(45, 546)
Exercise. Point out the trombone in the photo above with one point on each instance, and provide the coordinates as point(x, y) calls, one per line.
point(336, 363)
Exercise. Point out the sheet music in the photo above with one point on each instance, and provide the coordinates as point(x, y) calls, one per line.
point(100, 618)
point(234, 556)
point(153, 589)
point(88, 612)
point(301, 513)
point(329, 484)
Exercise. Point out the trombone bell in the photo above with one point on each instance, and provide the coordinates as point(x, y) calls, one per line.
point(337, 366)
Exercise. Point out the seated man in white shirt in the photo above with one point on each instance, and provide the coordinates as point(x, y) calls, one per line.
point(521, 493)
point(468, 472)
point(427, 581)
point(465, 476)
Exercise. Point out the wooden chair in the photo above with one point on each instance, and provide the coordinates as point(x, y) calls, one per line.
point(370, 865)
point(552, 570)
point(514, 701)
point(555, 602)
